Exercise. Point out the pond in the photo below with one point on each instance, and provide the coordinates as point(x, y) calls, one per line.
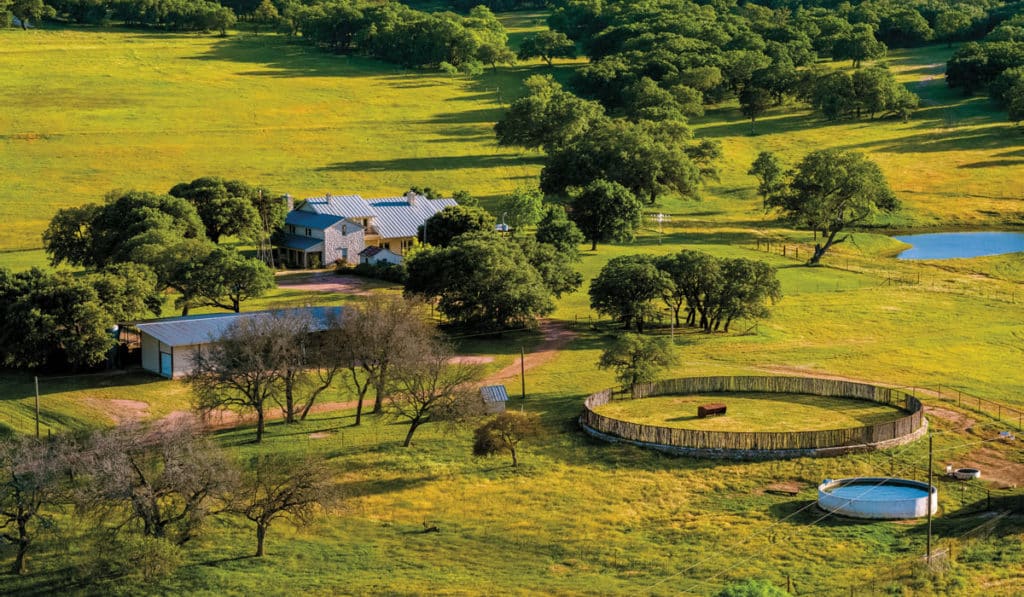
point(954, 245)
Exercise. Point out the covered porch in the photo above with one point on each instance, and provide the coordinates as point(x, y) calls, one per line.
point(301, 252)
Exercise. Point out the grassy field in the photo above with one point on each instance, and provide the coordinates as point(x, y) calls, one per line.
point(755, 411)
point(87, 111)
point(90, 110)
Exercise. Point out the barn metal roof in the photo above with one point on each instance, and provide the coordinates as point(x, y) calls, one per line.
point(494, 393)
point(312, 220)
point(396, 218)
point(345, 206)
point(203, 329)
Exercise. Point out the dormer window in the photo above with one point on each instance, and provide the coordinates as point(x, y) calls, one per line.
point(291, 228)
point(309, 232)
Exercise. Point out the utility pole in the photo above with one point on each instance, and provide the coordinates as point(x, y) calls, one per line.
point(522, 376)
point(928, 557)
point(37, 407)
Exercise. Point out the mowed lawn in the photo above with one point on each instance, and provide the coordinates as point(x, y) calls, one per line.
point(752, 411)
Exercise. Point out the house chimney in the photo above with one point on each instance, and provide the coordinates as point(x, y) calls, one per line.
point(411, 198)
point(289, 201)
point(327, 196)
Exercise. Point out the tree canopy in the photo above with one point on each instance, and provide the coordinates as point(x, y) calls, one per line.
point(831, 190)
point(606, 211)
point(626, 288)
point(482, 281)
point(226, 207)
point(451, 222)
point(637, 359)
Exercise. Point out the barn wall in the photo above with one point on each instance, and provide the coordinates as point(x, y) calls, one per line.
point(150, 353)
point(184, 359)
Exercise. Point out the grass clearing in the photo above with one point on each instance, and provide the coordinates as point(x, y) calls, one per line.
point(752, 411)
point(90, 110)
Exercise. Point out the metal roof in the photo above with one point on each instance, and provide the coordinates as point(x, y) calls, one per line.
point(203, 329)
point(312, 220)
point(397, 219)
point(494, 393)
point(345, 206)
point(302, 243)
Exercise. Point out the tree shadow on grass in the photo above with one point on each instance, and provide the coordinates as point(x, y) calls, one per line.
point(426, 164)
point(370, 487)
point(990, 138)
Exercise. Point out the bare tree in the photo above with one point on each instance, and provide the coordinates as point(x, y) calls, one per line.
point(326, 361)
point(504, 433)
point(279, 487)
point(290, 335)
point(241, 370)
point(375, 335)
point(430, 387)
point(32, 479)
point(165, 477)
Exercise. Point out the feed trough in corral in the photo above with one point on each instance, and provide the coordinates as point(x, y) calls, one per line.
point(761, 445)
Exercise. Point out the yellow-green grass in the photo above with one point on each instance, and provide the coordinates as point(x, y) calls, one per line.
point(579, 517)
point(92, 110)
point(87, 111)
point(955, 163)
point(752, 411)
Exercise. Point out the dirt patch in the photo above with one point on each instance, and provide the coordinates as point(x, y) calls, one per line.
point(784, 488)
point(320, 435)
point(556, 337)
point(471, 360)
point(120, 411)
point(961, 421)
point(996, 467)
point(324, 282)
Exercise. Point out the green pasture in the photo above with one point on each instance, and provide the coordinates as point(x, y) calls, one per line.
point(753, 411)
point(87, 111)
point(91, 110)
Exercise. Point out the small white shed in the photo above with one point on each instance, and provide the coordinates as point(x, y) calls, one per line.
point(495, 398)
point(374, 255)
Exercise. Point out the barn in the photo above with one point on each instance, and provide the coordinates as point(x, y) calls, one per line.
point(169, 345)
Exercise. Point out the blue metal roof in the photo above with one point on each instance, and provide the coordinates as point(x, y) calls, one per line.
point(301, 243)
point(494, 393)
point(311, 220)
point(203, 329)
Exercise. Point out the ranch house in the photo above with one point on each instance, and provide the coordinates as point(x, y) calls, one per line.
point(169, 345)
point(320, 231)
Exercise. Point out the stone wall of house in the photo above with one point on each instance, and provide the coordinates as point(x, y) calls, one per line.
point(343, 241)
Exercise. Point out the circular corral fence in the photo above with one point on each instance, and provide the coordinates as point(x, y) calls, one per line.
point(760, 445)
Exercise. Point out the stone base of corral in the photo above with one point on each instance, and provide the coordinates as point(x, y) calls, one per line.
point(763, 454)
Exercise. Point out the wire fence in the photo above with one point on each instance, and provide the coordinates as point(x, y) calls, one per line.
point(939, 280)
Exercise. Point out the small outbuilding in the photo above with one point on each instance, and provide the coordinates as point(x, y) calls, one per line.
point(169, 345)
point(375, 255)
point(495, 398)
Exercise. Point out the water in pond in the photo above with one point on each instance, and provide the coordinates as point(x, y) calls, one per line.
point(873, 492)
point(952, 245)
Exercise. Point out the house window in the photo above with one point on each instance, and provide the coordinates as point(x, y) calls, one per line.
point(291, 228)
point(406, 244)
point(309, 232)
point(344, 254)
